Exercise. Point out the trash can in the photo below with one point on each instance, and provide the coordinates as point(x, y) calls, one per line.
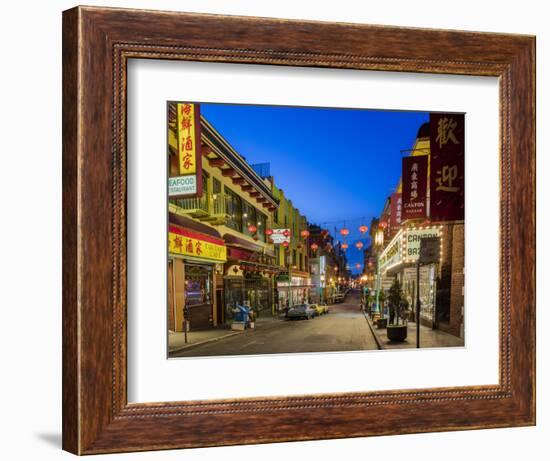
point(241, 318)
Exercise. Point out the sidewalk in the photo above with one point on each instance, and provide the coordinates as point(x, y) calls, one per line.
point(428, 337)
point(176, 340)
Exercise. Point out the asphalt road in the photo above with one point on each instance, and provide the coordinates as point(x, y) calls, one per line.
point(344, 328)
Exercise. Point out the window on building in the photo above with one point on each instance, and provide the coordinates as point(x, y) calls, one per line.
point(249, 218)
point(262, 226)
point(234, 210)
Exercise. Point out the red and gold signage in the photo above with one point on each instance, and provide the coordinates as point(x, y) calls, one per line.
point(415, 183)
point(396, 211)
point(447, 167)
point(189, 243)
point(184, 140)
point(188, 138)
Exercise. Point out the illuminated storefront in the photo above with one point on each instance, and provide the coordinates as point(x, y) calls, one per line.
point(399, 260)
point(193, 258)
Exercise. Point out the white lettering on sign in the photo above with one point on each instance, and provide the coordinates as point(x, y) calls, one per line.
point(182, 185)
point(412, 241)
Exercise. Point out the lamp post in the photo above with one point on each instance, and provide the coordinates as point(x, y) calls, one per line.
point(378, 242)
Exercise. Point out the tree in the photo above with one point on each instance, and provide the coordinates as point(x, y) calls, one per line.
point(395, 299)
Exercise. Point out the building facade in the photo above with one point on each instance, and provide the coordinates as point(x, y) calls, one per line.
point(218, 253)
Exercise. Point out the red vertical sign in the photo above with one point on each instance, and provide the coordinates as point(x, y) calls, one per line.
point(447, 167)
point(415, 182)
point(396, 212)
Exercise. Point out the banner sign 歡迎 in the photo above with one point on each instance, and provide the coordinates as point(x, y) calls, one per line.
point(447, 167)
point(415, 184)
point(189, 243)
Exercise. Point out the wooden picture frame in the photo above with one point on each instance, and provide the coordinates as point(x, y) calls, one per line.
point(97, 44)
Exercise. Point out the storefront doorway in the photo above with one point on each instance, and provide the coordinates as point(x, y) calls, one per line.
point(198, 295)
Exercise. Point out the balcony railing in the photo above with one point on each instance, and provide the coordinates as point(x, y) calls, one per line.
point(196, 207)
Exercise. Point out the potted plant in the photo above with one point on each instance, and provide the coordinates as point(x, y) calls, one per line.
point(397, 327)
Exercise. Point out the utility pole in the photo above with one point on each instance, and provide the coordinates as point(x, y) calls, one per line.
point(377, 309)
point(418, 304)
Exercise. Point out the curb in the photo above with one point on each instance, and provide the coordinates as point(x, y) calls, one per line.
point(206, 341)
point(217, 338)
point(372, 330)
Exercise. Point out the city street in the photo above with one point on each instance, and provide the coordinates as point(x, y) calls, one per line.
point(344, 328)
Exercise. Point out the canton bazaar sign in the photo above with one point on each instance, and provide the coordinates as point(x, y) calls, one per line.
point(188, 243)
point(412, 238)
point(405, 247)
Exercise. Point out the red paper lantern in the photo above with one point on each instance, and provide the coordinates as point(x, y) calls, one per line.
point(344, 246)
point(324, 233)
point(255, 237)
point(383, 224)
point(286, 233)
point(269, 232)
point(359, 245)
point(285, 244)
point(305, 233)
point(344, 231)
point(357, 266)
point(363, 229)
point(314, 246)
point(252, 228)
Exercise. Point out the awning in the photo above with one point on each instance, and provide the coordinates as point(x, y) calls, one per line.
point(190, 224)
point(245, 244)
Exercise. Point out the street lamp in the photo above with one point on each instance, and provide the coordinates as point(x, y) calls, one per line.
point(378, 241)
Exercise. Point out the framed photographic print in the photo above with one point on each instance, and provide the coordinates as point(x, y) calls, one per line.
point(281, 230)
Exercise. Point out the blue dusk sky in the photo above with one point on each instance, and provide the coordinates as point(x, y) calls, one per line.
point(336, 165)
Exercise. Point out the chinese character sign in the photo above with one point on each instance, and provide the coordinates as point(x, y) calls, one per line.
point(447, 167)
point(415, 182)
point(396, 207)
point(188, 138)
point(188, 243)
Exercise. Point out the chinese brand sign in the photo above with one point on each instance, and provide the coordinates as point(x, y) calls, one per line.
point(415, 182)
point(280, 236)
point(447, 167)
point(182, 185)
point(396, 211)
point(184, 139)
point(188, 243)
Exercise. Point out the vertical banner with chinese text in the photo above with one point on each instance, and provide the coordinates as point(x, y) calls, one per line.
point(396, 212)
point(447, 167)
point(415, 184)
point(188, 183)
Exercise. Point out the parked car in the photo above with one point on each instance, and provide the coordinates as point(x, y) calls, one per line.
point(338, 298)
point(300, 311)
point(319, 310)
point(324, 306)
